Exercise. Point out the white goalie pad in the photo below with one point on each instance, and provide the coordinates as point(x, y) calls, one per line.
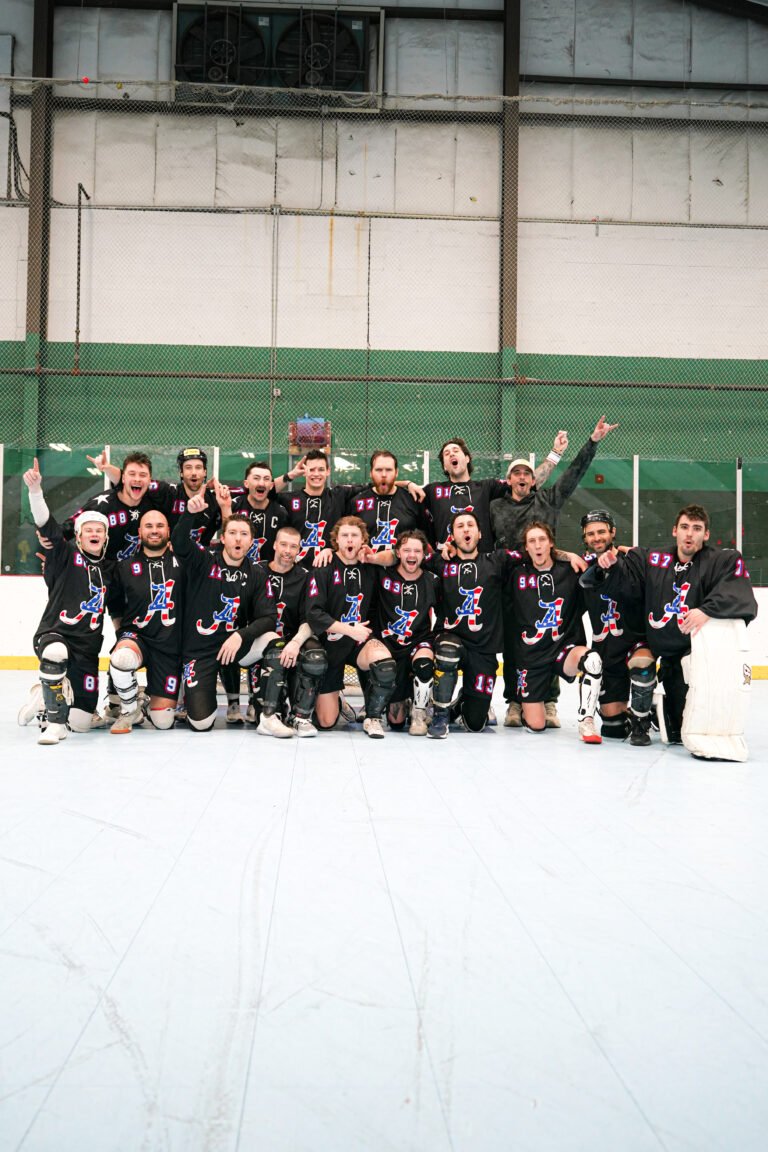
point(719, 677)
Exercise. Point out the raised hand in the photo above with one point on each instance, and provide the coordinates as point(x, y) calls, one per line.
point(197, 503)
point(33, 478)
point(602, 429)
point(99, 462)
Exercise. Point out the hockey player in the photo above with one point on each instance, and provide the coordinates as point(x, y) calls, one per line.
point(252, 501)
point(147, 620)
point(302, 661)
point(386, 506)
point(524, 501)
point(629, 667)
point(122, 504)
point(408, 599)
point(468, 633)
point(229, 613)
point(68, 638)
point(341, 599)
point(316, 508)
point(550, 637)
point(460, 493)
point(256, 501)
point(171, 499)
point(679, 589)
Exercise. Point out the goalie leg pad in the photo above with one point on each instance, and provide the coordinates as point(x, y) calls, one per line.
point(311, 667)
point(590, 682)
point(448, 654)
point(719, 679)
point(382, 675)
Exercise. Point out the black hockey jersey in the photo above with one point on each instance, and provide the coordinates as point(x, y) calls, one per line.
point(715, 580)
point(616, 623)
point(406, 609)
point(445, 499)
point(314, 516)
point(148, 597)
point(548, 606)
point(384, 516)
point(266, 523)
point(80, 589)
point(290, 593)
point(218, 598)
point(471, 596)
point(343, 592)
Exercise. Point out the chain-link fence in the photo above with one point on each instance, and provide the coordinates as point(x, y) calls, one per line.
point(184, 263)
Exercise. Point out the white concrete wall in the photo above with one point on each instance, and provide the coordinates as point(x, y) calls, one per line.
point(599, 290)
point(13, 272)
point(198, 278)
point(24, 598)
point(641, 40)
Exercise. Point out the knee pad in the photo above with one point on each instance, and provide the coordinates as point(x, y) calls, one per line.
point(313, 662)
point(642, 681)
point(590, 682)
point(161, 718)
point(423, 668)
point(125, 659)
point(272, 680)
point(57, 691)
point(123, 665)
point(382, 675)
point(448, 654)
point(311, 667)
point(55, 652)
point(616, 727)
point(203, 725)
point(79, 720)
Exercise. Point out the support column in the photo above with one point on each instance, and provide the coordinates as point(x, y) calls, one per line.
point(39, 227)
point(510, 128)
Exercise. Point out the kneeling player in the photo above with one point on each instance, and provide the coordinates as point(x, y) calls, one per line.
point(69, 635)
point(341, 599)
point(407, 601)
point(548, 605)
point(224, 591)
point(295, 664)
point(470, 632)
point(679, 590)
point(148, 628)
point(629, 667)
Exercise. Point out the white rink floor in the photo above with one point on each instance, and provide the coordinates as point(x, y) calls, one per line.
point(497, 942)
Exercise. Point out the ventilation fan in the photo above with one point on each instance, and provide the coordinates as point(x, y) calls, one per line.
point(321, 50)
point(221, 45)
point(224, 46)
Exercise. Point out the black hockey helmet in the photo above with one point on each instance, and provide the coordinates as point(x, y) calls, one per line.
point(598, 516)
point(191, 454)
